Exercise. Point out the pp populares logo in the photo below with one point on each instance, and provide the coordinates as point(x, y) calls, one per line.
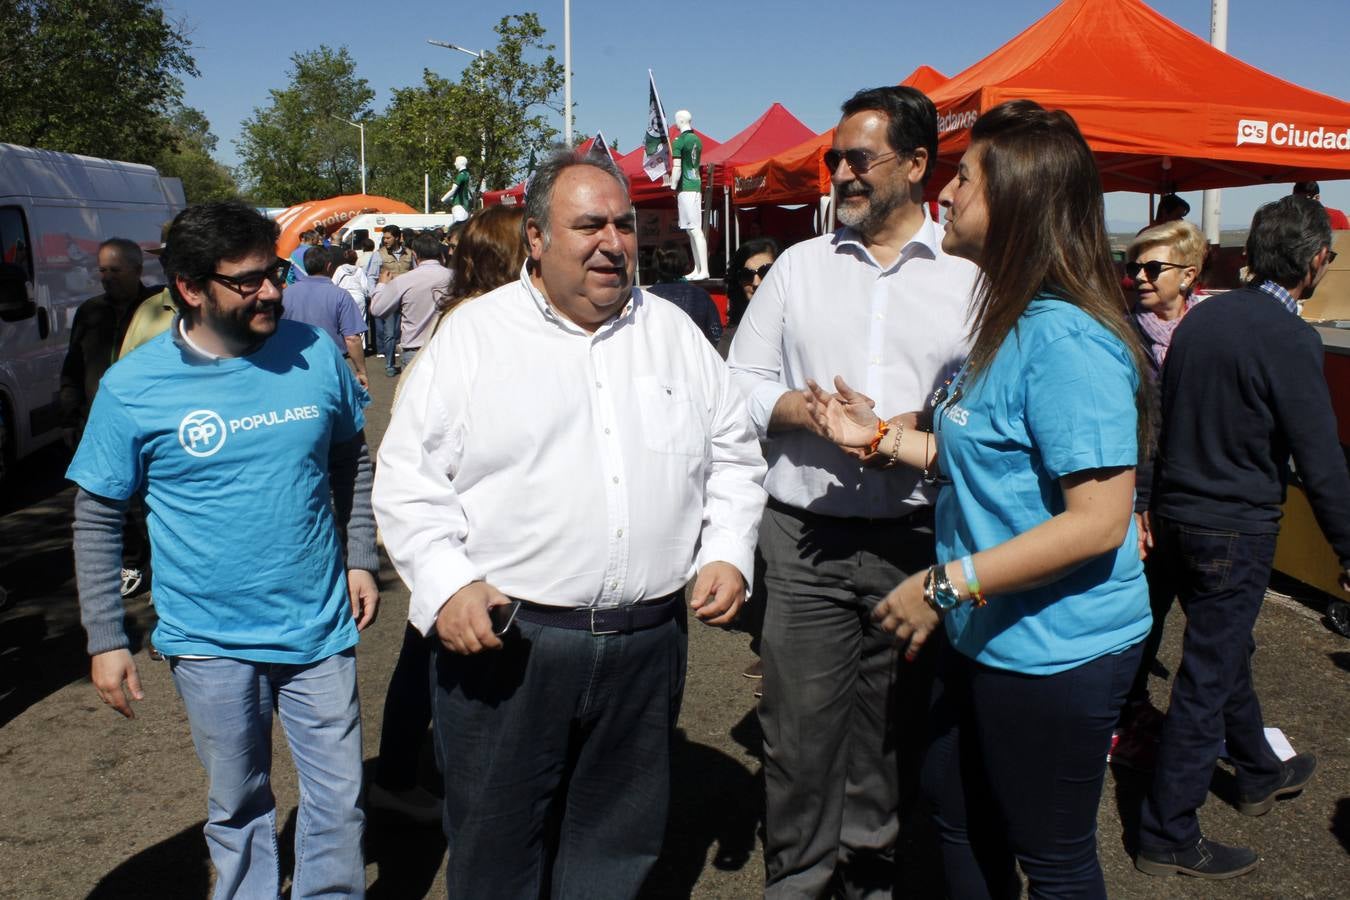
point(1252, 131)
point(202, 433)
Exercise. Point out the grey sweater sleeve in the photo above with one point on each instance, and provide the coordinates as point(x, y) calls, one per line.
point(98, 569)
point(352, 475)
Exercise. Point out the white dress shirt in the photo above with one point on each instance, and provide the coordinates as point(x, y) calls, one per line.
point(566, 468)
point(896, 334)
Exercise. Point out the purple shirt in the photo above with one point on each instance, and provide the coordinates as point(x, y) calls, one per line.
point(316, 301)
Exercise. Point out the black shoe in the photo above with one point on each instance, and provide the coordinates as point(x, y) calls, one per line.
point(1298, 771)
point(1206, 859)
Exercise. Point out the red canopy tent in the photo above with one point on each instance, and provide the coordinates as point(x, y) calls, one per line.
point(774, 131)
point(797, 174)
point(1160, 107)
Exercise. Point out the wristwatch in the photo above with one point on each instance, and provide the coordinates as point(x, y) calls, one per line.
point(938, 590)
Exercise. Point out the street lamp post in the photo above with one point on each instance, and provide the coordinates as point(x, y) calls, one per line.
point(362, 127)
point(567, 72)
point(482, 146)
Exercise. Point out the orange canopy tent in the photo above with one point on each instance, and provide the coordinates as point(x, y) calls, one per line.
point(329, 215)
point(797, 175)
point(1161, 108)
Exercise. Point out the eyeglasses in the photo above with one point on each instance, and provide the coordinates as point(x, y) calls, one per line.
point(1331, 256)
point(1151, 269)
point(249, 283)
point(858, 159)
point(747, 276)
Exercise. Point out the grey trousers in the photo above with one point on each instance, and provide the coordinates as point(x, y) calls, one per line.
point(843, 716)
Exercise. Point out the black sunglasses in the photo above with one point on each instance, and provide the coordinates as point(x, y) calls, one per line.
point(1152, 269)
point(858, 159)
point(746, 276)
point(249, 283)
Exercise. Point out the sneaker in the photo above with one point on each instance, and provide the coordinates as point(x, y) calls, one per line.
point(1206, 859)
point(415, 803)
point(755, 669)
point(391, 371)
point(1298, 771)
point(132, 579)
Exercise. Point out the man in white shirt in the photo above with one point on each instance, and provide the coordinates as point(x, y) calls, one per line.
point(575, 444)
point(879, 303)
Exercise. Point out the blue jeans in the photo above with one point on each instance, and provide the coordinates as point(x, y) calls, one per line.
point(556, 756)
point(1223, 582)
point(1015, 771)
point(386, 334)
point(229, 704)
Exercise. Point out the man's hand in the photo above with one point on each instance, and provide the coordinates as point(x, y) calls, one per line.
point(847, 418)
point(107, 671)
point(906, 614)
point(463, 624)
point(365, 596)
point(1144, 525)
point(719, 593)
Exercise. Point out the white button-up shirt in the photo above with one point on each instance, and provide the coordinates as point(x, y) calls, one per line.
point(566, 468)
point(896, 334)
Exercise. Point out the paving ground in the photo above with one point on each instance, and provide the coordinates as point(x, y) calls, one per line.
point(95, 806)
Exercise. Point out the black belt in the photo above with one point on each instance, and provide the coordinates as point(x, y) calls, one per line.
point(604, 620)
point(915, 517)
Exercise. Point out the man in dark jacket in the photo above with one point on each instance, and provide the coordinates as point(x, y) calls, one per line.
point(1242, 392)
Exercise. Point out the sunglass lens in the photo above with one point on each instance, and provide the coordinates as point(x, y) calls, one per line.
point(832, 159)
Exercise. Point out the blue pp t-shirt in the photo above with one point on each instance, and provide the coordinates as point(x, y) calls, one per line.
point(1057, 398)
point(232, 458)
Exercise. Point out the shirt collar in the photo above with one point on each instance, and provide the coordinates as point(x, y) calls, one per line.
point(1280, 294)
point(191, 344)
point(552, 315)
point(925, 238)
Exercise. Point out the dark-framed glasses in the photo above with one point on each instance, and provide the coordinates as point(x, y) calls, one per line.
point(1152, 269)
point(747, 276)
point(858, 159)
point(247, 284)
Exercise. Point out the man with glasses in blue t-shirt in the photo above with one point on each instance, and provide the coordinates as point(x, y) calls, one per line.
point(243, 435)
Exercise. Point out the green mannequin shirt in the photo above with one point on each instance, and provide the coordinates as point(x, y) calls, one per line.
point(688, 149)
point(463, 190)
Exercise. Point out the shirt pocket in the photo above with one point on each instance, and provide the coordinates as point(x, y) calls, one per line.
point(671, 420)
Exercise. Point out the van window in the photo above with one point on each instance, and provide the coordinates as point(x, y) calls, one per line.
point(14, 246)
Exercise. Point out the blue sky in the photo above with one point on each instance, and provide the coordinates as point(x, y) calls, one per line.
point(725, 60)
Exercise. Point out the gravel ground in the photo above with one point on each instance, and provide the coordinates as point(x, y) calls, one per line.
point(95, 806)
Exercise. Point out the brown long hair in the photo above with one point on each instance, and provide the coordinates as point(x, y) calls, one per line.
point(489, 254)
point(1046, 233)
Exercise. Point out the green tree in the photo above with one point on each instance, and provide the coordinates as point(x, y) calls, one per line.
point(90, 76)
point(295, 148)
point(508, 99)
point(189, 158)
point(420, 132)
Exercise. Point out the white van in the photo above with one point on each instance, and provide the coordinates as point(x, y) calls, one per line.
point(55, 209)
point(375, 223)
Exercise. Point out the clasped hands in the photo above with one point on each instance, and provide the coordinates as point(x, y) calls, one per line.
point(847, 418)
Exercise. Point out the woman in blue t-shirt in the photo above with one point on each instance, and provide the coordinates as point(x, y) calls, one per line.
point(1039, 585)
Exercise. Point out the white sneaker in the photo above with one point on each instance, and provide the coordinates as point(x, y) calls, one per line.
point(132, 580)
point(416, 803)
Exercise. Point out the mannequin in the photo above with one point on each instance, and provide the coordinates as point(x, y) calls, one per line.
point(461, 192)
point(685, 180)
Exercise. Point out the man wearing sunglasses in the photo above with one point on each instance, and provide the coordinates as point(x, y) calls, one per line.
point(1242, 392)
point(877, 301)
point(243, 435)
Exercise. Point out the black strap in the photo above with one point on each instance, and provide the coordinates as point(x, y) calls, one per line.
point(604, 620)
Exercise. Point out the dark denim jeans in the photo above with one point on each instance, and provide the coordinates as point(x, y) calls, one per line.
point(1015, 771)
point(386, 334)
point(556, 755)
point(1224, 575)
point(407, 713)
point(1163, 570)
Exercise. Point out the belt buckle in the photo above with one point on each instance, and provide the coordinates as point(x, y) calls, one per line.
point(595, 610)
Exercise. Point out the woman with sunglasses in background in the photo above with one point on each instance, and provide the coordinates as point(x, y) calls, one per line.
point(1164, 264)
point(749, 266)
point(1039, 583)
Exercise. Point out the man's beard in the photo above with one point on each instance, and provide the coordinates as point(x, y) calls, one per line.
point(867, 219)
point(235, 327)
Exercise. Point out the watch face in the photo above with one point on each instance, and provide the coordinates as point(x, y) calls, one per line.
point(945, 601)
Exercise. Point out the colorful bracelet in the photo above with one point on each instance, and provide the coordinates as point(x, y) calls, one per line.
point(882, 427)
point(972, 582)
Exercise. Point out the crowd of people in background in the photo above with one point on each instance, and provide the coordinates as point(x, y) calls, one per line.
point(961, 470)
